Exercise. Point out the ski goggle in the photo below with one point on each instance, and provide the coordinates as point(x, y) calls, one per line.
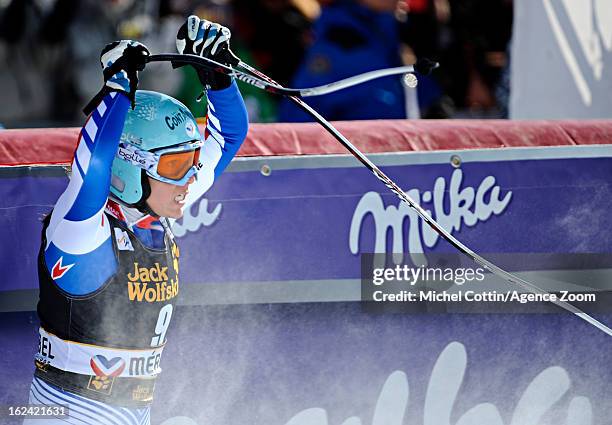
point(174, 165)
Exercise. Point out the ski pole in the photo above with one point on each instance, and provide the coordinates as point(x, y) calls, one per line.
point(262, 81)
point(423, 67)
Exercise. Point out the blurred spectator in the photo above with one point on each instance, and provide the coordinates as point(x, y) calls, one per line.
point(50, 48)
point(34, 55)
point(352, 37)
point(276, 33)
point(269, 34)
point(272, 35)
point(476, 56)
point(469, 38)
point(425, 33)
point(50, 68)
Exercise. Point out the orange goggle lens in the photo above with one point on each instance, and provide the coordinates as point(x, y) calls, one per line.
point(174, 166)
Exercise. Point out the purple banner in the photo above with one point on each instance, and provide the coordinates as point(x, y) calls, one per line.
point(314, 223)
point(303, 224)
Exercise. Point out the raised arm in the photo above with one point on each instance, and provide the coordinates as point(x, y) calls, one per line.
point(78, 235)
point(227, 123)
point(226, 120)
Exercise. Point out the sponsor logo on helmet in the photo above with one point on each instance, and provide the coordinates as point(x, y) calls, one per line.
point(179, 117)
point(190, 128)
point(133, 157)
point(131, 139)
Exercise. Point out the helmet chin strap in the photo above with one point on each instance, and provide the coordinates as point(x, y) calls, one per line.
point(142, 205)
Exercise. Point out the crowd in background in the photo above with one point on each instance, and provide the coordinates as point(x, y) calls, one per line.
point(49, 54)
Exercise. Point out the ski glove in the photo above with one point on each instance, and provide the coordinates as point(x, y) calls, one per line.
point(121, 61)
point(210, 40)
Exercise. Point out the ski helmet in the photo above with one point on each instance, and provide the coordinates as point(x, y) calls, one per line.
point(158, 125)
